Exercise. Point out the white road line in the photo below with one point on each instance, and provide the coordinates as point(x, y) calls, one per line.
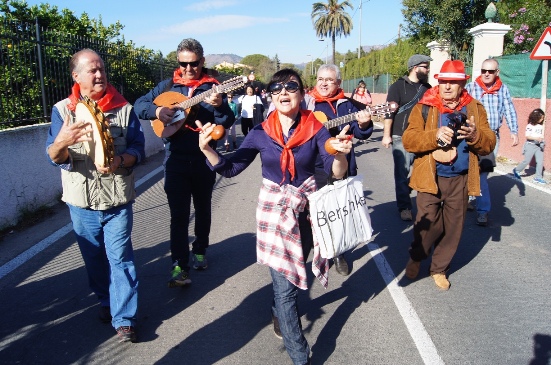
point(416, 329)
point(25, 256)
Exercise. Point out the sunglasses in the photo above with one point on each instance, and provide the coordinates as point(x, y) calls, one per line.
point(291, 86)
point(192, 63)
point(491, 72)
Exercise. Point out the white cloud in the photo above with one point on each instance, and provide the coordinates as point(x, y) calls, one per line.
point(219, 23)
point(210, 5)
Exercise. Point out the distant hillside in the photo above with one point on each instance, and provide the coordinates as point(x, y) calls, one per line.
point(215, 59)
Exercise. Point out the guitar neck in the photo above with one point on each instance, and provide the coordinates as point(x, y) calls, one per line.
point(339, 121)
point(381, 109)
point(186, 104)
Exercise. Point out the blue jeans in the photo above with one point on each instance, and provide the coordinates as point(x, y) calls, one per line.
point(402, 166)
point(483, 202)
point(286, 310)
point(103, 237)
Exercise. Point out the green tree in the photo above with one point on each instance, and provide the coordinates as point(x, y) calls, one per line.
point(331, 20)
point(254, 60)
point(444, 21)
point(528, 19)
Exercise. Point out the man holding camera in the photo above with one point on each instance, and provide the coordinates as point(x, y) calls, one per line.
point(445, 171)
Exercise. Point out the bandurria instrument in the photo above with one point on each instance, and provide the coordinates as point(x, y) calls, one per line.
point(378, 110)
point(101, 148)
point(188, 106)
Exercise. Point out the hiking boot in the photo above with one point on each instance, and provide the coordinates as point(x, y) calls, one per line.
point(341, 265)
point(277, 330)
point(441, 281)
point(105, 314)
point(126, 334)
point(178, 277)
point(405, 215)
point(199, 262)
point(412, 269)
point(482, 219)
point(516, 174)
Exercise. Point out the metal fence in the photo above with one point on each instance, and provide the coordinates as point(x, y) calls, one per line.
point(375, 84)
point(34, 70)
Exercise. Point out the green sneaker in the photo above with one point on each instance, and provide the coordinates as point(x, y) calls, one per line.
point(178, 277)
point(199, 262)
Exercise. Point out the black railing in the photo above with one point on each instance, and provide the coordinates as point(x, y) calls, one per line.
point(34, 70)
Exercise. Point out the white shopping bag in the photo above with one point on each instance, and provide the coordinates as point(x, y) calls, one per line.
point(340, 216)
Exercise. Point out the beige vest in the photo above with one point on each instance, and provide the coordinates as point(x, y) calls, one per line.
point(84, 186)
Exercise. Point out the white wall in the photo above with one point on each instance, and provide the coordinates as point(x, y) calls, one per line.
point(28, 181)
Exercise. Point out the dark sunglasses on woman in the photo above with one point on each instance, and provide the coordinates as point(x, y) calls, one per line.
point(290, 86)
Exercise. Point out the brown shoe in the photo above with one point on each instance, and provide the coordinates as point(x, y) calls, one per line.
point(441, 281)
point(412, 269)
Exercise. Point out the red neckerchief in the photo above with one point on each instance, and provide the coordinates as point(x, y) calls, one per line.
point(492, 90)
point(432, 98)
point(178, 79)
point(110, 100)
point(329, 99)
point(306, 129)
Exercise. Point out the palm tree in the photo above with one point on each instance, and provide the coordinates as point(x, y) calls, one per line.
point(331, 19)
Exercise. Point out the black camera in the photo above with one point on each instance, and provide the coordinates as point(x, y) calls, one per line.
point(455, 121)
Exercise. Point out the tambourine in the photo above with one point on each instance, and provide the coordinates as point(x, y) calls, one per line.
point(101, 148)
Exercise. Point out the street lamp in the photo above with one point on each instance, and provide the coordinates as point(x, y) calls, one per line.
point(326, 51)
point(360, 46)
point(311, 63)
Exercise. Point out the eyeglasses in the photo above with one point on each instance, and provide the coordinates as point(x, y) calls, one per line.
point(327, 79)
point(192, 63)
point(290, 86)
point(491, 72)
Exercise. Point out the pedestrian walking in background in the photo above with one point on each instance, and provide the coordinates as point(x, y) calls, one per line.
point(361, 94)
point(496, 98)
point(534, 145)
point(406, 91)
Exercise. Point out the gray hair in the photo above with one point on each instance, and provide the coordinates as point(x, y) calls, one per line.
point(333, 68)
point(190, 45)
point(74, 61)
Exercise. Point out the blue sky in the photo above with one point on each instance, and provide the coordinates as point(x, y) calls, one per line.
point(241, 27)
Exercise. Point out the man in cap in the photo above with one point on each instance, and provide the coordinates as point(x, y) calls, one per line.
point(495, 97)
point(445, 171)
point(406, 91)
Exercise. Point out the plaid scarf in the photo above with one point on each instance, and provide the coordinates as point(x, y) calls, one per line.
point(278, 240)
point(110, 100)
point(306, 129)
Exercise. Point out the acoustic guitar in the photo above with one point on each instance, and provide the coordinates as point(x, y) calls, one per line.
point(188, 107)
point(384, 109)
point(379, 110)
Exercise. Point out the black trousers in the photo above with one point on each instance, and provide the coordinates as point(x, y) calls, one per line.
point(185, 180)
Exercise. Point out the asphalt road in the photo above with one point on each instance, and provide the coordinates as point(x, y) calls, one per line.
point(496, 312)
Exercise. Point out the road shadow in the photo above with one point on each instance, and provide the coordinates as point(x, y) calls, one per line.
point(542, 350)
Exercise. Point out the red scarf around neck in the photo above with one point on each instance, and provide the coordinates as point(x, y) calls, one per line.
point(178, 79)
point(432, 98)
point(493, 89)
point(110, 100)
point(306, 129)
point(329, 99)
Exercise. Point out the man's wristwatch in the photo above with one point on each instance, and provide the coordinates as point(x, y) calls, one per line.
point(121, 165)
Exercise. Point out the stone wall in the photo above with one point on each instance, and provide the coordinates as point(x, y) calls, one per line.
point(28, 180)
